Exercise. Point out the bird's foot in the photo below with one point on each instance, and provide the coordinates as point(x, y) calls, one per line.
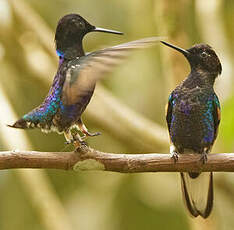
point(85, 131)
point(80, 144)
point(92, 134)
point(203, 158)
point(88, 134)
point(77, 142)
point(174, 156)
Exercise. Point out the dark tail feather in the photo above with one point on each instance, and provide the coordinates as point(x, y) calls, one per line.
point(198, 193)
point(20, 124)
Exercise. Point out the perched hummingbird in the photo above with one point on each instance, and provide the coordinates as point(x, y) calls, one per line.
point(193, 117)
point(75, 80)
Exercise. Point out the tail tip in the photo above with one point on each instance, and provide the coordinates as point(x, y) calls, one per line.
point(20, 124)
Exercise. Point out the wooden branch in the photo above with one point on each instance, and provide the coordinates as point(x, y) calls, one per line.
point(86, 158)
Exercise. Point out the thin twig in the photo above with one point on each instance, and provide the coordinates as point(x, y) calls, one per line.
point(86, 158)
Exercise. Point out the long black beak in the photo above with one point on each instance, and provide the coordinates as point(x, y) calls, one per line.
point(98, 29)
point(183, 51)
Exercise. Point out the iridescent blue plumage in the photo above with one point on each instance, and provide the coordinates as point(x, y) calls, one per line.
point(197, 116)
point(193, 117)
point(76, 77)
point(44, 114)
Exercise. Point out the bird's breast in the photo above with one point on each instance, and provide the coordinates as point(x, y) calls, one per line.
point(192, 123)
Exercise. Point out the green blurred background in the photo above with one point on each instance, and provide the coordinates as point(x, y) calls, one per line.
point(53, 199)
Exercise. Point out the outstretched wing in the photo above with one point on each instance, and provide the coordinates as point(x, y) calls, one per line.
point(81, 78)
point(216, 115)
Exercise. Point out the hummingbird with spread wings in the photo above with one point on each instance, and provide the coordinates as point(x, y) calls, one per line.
point(76, 77)
point(193, 117)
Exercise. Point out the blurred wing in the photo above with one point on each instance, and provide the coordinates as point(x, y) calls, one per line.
point(216, 115)
point(169, 108)
point(81, 78)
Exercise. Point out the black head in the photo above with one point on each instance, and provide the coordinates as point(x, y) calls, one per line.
point(69, 34)
point(201, 58)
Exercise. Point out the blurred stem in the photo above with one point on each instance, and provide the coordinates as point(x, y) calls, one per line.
point(37, 186)
point(33, 21)
point(143, 131)
point(209, 21)
point(161, 25)
point(35, 182)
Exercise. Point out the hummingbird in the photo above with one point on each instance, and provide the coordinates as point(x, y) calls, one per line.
point(75, 80)
point(193, 117)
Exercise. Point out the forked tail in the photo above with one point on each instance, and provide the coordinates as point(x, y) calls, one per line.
point(20, 124)
point(197, 192)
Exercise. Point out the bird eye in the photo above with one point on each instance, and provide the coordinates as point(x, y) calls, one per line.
point(81, 25)
point(204, 54)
